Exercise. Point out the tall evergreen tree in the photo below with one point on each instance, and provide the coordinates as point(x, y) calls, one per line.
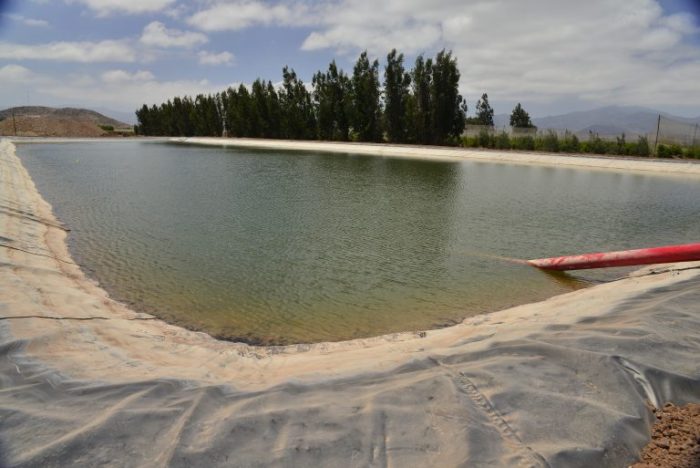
point(519, 118)
point(422, 112)
point(144, 118)
point(220, 110)
point(265, 110)
point(298, 114)
point(205, 116)
point(484, 112)
point(396, 96)
point(332, 94)
point(182, 116)
point(274, 111)
point(241, 125)
point(366, 109)
point(323, 102)
point(164, 119)
point(448, 116)
point(228, 102)
point(422, 106)
point(258, 113)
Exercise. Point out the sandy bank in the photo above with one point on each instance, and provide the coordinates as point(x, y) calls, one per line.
point(85, 380)
point(643, 165)
point(52, 140)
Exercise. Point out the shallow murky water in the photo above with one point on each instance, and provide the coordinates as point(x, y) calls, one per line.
point(285, 247)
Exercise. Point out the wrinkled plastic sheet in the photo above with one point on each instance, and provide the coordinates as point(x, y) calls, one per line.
point(574, 395)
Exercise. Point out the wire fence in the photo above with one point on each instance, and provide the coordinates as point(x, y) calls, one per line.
point(476, 130)
point(666, 132)
point(676, 132)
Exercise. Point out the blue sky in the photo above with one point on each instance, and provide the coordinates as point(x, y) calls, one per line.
point(554, 56)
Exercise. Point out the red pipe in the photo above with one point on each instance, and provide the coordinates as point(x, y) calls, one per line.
point(666, 254)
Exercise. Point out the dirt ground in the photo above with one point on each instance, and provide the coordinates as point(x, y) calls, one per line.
point(675, 440)
point(50, 126)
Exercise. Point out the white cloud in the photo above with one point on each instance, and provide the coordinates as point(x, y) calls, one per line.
point(157, 35)
point(412, 39)
point(121, 76)
point(681, 22)
point(176, 11)
point(241, 14)
point(27, 21)
point(603, 51)
point(13, 73)
point(598, 51)
point(132, 94)
point(212, 58)
point(105, 7)
point(541, 51)
point(117, 89)
point(85, 52)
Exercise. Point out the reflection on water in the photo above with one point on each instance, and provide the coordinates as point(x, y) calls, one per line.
point(568, 280)
point(296, 247)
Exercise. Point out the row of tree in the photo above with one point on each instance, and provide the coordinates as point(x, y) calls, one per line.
point(421, 105)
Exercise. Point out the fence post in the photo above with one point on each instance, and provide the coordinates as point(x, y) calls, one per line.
point(656, 141)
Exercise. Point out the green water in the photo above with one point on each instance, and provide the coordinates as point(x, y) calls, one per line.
point(287, 247)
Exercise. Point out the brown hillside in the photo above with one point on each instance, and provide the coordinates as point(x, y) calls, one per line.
point(50, 122)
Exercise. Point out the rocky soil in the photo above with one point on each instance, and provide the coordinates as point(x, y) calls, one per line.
point(675, 440)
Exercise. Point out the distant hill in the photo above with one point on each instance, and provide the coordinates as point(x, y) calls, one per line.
point(610, 131)
point(127, 117)
point(63, 122)
point(606, 121)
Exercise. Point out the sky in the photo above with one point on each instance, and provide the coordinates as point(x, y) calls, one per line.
point(553, 56)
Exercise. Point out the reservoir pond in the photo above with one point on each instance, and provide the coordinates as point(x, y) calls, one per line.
point(272, 247)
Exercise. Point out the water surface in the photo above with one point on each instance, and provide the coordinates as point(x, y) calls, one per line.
point(287, 247)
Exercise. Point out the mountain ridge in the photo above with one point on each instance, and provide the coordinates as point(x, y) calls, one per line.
point(608, 120)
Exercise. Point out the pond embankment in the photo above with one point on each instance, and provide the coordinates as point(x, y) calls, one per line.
point(567, 381)
point(684, 167)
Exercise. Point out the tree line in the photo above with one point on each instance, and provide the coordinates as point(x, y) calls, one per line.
point(421, 106)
